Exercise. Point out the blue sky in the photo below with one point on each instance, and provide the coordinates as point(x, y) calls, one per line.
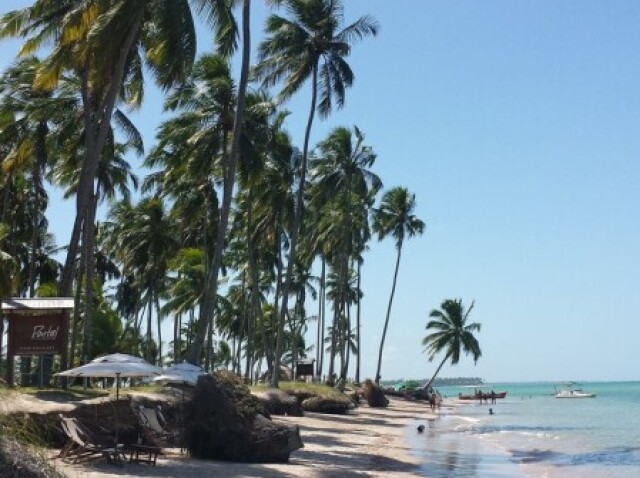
point(517, 125)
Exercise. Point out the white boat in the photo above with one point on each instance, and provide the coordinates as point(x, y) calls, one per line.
point(573, 393)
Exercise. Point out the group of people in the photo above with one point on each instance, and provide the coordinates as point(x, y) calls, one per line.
point(435, 399)
point(485, 396)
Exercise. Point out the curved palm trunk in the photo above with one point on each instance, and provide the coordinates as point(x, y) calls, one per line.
point(95, 137)
point(296, 225)
point(386, 322)
point(427, 386)
point(319, 348)
point(208, 303)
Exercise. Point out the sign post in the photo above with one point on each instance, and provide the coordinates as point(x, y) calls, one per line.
point(36, 327)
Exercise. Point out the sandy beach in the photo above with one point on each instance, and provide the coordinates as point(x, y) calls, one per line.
point(367, 442)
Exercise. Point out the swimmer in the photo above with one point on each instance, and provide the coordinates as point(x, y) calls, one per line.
point(420, 428)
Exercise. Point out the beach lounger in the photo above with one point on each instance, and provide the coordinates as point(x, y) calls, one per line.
point(82, 443)
point(151, 430)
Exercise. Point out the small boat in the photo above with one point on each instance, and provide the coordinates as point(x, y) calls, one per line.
point(572, 392)
point(483, 396)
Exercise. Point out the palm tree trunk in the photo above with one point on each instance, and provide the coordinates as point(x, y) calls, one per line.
point(427, 386)
point(332, 356)
point(358, 325)
point(268, 348)
point(297, 222)
point(76, 313)
point(149, 326)
point(177, 322)
point(386, 322)
point(7, 194)
point(95, 137)
point(347, 346)
point(159, 319)
point(319, 348)
point(210, 294)
point(39, 192)
point(88, 246)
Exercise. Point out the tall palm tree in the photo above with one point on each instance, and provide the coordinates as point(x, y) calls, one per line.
point(308, 46)
point(147, 242)
point(395, 217)
point(205, 322)
point(343, 170)
point(452, 334)
point(104, 43)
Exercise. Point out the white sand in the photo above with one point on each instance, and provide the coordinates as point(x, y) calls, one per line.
point(367, 442)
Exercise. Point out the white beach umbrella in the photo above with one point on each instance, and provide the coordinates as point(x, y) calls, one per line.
point(117, 358)
point(180, 374)
point(104, 368)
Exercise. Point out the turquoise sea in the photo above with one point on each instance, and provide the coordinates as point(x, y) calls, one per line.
point(534, 434)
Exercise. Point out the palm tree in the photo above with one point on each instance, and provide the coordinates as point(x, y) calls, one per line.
point(211, 290)
point(104, 43)
point(395, 217)
point(451, 334)
point(342, 171)
point(147, 242)
point(309, 45)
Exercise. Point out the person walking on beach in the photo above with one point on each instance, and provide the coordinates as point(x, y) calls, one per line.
point(493, 396)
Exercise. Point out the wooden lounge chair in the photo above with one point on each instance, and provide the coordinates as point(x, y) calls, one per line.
point(151, 430)
point(82, 443)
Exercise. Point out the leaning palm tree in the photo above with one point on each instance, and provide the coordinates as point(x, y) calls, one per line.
point(395, 217)
point(452, 334)
point(309, 45)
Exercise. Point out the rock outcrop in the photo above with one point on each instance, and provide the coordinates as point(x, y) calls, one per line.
point(279, 402)
point(374, 395)
point(335, 404)
point(225, 422)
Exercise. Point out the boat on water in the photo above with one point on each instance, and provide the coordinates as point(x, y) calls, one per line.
point(482, 396)
point(572, 392)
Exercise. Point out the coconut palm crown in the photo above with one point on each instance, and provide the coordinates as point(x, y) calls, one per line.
point(452, 334)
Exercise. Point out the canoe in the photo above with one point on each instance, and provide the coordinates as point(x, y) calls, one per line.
point(485, 396)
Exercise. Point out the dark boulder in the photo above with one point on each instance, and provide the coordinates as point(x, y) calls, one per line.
point(335, 404)
point(278, 402)
point(374, 395)
point(225, 422)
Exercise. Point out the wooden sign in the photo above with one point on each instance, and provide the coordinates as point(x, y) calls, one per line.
point(37, 335)
point(304, 369)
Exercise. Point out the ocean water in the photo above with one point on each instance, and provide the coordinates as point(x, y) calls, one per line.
point(534, 434)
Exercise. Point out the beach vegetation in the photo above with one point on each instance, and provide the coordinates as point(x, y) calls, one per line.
point(450, 333)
